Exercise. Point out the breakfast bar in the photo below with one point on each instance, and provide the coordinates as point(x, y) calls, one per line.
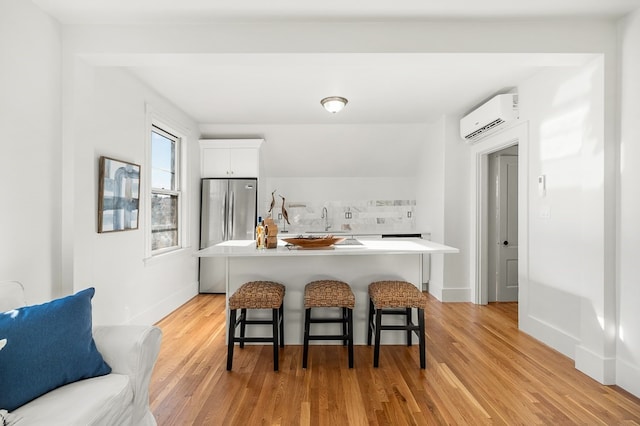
point(357, 264)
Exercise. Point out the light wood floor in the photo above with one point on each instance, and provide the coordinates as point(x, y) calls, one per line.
point(480, 370)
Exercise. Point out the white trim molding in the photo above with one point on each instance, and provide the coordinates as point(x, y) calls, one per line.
point(518, 134)
point(171, 125)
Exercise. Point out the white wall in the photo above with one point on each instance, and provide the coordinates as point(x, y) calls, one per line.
point(30, 162)
point(457, 200)
point(105, 114)
point(372, 162)
point(628, 282)
point(566, 282)
point(337, 150)
point(443, 200)
point(430, 198)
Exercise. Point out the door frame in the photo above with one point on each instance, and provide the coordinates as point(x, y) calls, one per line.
point(517, 134)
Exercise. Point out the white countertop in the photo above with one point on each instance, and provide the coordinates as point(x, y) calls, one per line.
point(246, 248)
point(359, 233)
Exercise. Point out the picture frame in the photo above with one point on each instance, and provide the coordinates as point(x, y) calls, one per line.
point(118, 195)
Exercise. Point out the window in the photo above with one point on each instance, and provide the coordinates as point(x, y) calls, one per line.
point(165, 191)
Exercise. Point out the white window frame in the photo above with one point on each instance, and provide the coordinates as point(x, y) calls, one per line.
point(169, 126)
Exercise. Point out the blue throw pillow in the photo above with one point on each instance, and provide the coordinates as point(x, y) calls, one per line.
point(47, 346)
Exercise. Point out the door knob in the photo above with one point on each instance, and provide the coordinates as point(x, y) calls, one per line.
point(505, 243)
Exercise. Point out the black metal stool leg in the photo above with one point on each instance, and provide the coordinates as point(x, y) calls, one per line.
point(376, 348)
point(344, 326)
point(281, 319)
point(421, 339)
point(231, 338)
point(409, 332)
point(370, 322)
point(350, 334)
point(243, 325)
point(276, 327)
point(307, 326)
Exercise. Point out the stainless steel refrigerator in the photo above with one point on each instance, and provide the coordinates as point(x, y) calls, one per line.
point(228, 212)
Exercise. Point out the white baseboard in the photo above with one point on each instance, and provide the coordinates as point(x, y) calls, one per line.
point(595, 366)
point(456, 294)
point(550, 335)
point(435, 289)
point(166, 305)
point(452, 295)
point(628, 377)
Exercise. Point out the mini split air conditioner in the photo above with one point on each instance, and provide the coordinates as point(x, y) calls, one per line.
point(490, 117)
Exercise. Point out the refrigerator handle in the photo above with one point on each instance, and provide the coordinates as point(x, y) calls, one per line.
point(232, 211)
point(226, 216)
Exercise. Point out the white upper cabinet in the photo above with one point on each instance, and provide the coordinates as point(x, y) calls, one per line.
point(230, 158)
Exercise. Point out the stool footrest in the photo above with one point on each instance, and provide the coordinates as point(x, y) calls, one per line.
point(255, 321)
point(327, 320)
point(387, 311)
point(253, 339)
point(328, 337)
point(398, 327)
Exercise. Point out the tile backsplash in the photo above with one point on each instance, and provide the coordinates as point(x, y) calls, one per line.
point(364, 216)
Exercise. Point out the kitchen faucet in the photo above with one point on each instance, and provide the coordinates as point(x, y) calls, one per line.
point(325, 216)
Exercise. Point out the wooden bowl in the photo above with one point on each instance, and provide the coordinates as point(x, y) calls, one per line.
point(311, 242)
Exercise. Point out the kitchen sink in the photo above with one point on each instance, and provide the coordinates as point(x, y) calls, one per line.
point(325, 232)
point(349, 242)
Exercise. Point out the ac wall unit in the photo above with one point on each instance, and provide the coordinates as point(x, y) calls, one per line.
point(489, 117)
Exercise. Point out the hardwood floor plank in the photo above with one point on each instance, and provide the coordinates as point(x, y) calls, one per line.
point(480, 370)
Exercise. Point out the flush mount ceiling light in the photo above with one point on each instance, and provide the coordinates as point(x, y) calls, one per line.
point(334, 104)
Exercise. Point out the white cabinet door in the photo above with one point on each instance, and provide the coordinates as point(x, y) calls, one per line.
point(230, 158)
point(215, 162)
point(243, 162)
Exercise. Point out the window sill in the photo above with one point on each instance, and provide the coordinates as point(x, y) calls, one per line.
point(167, 255)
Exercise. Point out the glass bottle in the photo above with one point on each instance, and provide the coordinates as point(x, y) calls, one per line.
point(260, 234)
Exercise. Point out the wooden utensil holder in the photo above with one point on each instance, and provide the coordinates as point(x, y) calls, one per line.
point(271, 233)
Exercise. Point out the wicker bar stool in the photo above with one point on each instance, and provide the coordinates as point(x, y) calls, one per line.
point(396, 298)
point(329, 294)
point(256, 295)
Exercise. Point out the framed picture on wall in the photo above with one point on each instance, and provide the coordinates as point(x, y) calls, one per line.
point(118, 195)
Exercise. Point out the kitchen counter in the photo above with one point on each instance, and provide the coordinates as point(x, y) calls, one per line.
point(357, 265)
point(246, 248)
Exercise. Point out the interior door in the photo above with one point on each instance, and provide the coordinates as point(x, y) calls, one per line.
point(507, 226)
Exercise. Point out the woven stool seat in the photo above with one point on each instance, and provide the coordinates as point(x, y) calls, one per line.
point(396, 294)
point(257, 295)
point(328, 293)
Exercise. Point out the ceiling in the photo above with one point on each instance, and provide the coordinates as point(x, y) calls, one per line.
point(287, 88)
point(381, 88)
point(153, 11)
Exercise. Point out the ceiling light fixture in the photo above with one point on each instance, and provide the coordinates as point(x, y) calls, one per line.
point(334, 104)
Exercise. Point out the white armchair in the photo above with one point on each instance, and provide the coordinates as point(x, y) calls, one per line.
point(119, 398)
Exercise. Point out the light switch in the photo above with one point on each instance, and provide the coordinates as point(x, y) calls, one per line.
point(545, 212)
